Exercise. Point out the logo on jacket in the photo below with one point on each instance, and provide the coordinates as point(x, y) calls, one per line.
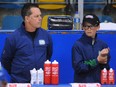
point(41, 42)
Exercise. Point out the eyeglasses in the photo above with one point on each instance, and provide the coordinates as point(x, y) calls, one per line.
point(89, 27)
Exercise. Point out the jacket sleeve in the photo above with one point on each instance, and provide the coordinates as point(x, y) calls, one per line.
point(7, 55)
point(49, 48)
point(80, 65)
point(107, 66)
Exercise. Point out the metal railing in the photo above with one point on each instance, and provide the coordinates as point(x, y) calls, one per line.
point(98, 3)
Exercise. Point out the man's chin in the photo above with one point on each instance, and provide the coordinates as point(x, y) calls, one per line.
point(38, 26)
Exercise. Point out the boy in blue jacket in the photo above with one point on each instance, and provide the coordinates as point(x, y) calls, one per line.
point(28, 47)
point(89, 54)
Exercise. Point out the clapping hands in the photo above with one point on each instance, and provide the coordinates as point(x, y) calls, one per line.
point(102, 57)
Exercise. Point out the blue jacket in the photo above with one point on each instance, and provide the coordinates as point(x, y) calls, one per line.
point(84, 59)
point(22, 53)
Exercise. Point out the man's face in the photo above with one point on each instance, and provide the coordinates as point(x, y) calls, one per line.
point(34, 20)
point(90, 30)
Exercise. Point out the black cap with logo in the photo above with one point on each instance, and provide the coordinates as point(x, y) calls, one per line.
point(92, 19)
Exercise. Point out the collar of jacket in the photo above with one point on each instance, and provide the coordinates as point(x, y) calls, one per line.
point(24, 30)
point(89, 40)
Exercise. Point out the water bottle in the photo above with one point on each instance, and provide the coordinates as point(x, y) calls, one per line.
point(33, 73)
point(104, 76)
point(76, 21)
point(47, 72)
point(40, 76)
point(3, 82)
point(111, 76)
point(55, 73)
point(1, 72)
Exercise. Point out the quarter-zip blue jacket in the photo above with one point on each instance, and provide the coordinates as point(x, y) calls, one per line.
point(84, 59)
point(22, 53)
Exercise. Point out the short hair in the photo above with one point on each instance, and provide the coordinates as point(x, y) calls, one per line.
point(25, 11)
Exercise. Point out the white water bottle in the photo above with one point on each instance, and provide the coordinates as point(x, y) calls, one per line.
point(76, 21)
point(40, 76)
point(33, 73)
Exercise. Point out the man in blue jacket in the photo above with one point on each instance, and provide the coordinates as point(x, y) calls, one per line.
point(89, 54)
point(28, 47)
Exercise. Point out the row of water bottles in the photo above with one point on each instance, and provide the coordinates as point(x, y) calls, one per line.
point(107, 76)
point(50, 74)
point(76, 21)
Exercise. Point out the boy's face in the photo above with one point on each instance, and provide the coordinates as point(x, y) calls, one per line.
point(90, 30)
